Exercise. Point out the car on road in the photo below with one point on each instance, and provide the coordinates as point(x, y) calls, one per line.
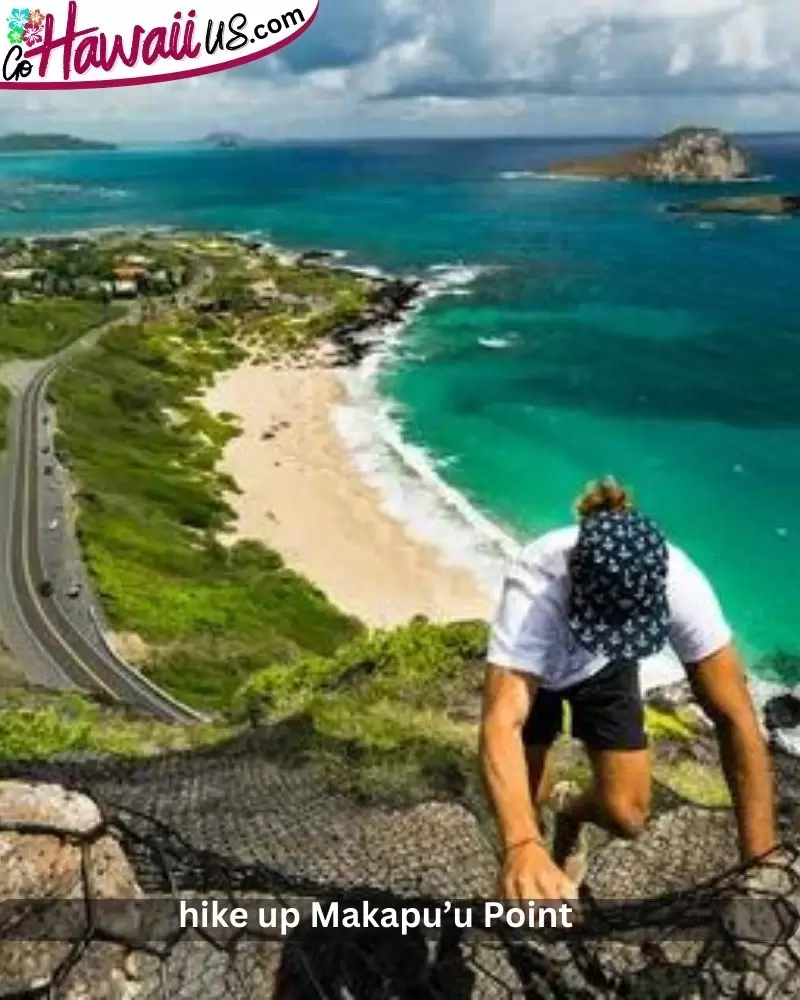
point(46, 588)
point(74, 590)
point(48, 470)
point(53, 524)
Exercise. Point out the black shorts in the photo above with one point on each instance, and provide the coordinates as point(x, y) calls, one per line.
point(607, 711)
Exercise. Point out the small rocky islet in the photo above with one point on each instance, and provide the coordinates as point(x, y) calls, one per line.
point(772, 205)
point(687, 154)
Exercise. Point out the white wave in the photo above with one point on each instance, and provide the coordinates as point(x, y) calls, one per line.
point(758, 179)
point(454, 279)
point(413, 492)
point(517, 175)
point(494, 343)
point(113, 194)
point(543, 175)
point(367, 270)
point(27, 188)
point(404, 474)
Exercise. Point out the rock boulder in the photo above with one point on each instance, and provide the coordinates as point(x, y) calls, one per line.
point(52, 847)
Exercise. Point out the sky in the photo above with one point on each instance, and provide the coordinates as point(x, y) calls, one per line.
point(381, 68)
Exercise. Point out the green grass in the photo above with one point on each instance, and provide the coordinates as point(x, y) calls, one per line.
point(40, 327)
point(37, 725)
point(390, 716)
point(152, 512)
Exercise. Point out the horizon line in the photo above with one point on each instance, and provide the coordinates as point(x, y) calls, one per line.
point(421, 137)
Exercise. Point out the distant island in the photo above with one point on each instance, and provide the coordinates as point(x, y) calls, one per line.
point(225, 140)
point(24, 142)
point(685, 154)
point(758, 204)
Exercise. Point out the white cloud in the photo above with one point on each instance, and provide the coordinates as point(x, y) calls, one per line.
point(585, 65)
point(604, 46)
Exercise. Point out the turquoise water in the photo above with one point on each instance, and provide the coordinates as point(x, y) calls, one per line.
point(602, 336)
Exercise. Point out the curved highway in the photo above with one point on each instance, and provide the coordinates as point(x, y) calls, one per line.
point(37, 627)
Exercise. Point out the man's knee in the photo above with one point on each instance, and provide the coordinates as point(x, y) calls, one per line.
point(626, 818)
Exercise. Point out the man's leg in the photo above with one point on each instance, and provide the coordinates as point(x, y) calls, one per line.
point(541, 730)
point(618, 800)
point(540, 777)
point(608, 716)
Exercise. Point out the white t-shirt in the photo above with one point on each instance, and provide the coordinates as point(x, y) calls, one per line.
point(530, 631)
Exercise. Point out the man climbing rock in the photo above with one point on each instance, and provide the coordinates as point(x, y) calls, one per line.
point(581, 607)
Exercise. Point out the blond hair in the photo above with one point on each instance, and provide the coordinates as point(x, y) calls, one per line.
point(603, 495)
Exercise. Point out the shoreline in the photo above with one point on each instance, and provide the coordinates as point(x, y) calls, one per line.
point(446, 562)
point(367, 537)
point(303, 496)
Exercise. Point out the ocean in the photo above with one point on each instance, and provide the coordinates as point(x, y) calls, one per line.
point(572, 329)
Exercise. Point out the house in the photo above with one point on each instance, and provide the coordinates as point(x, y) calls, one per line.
point(130, 272)
point(18, 276)
point(124, 289)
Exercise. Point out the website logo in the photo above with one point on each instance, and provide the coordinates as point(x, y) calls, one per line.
point(92, 43)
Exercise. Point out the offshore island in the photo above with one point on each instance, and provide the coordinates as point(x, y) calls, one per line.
point(686, 154)
point(24, 142)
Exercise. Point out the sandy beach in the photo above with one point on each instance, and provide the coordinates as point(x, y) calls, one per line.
point(302, 496)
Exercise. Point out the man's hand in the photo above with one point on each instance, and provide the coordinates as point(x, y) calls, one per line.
point(529, 872)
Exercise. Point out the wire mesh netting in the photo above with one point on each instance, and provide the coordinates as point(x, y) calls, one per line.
point(228, 824)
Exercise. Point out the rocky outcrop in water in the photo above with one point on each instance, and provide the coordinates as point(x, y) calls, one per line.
point(686, 154)
point(389, 302)
point(759, 204)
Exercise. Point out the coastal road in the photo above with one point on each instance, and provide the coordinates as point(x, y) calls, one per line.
point(50, 646)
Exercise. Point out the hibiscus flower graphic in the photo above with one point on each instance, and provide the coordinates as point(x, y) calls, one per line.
point(15, 36)
point(19, 18)
point(32, 35)
point(35, 18)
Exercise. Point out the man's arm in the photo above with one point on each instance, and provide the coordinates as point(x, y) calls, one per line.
point(528, 871)
point(720, 687)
